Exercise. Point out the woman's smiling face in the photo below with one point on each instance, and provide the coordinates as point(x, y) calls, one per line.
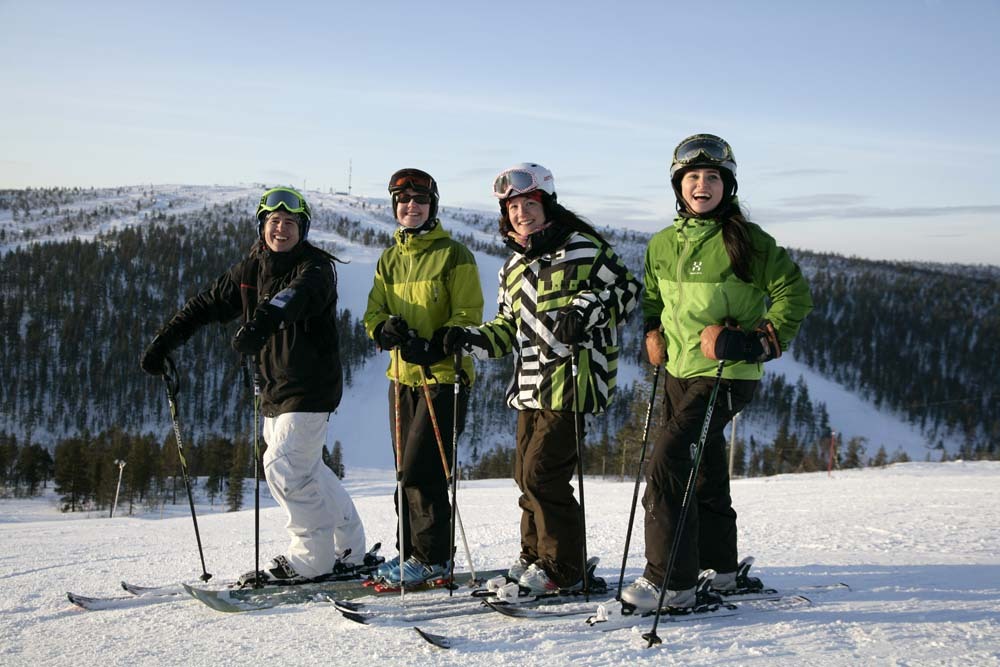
point(702, 189)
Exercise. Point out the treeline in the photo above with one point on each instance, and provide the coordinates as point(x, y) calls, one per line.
point(916, 339)
point(25, 469)
point(89, 470)
point(76, 315)
point(85, 469)
point(802, 442)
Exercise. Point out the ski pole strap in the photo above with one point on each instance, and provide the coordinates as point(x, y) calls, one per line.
point(247, 379)
point(170, 377)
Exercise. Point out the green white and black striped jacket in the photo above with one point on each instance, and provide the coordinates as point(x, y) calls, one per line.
point(585, 272)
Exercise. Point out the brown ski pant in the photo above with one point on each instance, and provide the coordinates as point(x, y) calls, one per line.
point(544, 463)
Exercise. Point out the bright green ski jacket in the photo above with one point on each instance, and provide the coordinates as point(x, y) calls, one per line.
point(690, 284)
point(431, 281)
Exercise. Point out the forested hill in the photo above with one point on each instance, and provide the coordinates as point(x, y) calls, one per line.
point(917, 338)
point(90, 274)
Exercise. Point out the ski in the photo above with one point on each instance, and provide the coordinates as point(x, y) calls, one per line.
point(774, 593)
point(143, 595)
point(233, 600)
point(91, 603)
point(152, 591)
point(436, 640)
point(549, 607)
point(609, 619)
point(139, 596)
point(433, 609)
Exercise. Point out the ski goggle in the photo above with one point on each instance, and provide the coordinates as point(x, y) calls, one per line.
point(515, 182)
point(407, 198)
point(291, 201)
point(411, 178)
point(703, 146)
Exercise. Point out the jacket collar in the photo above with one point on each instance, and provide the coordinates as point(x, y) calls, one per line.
point(414, 240)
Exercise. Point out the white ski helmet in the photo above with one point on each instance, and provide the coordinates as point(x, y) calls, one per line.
point(524, 178)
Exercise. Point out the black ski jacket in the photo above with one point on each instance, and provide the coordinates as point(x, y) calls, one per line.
point(300, 364)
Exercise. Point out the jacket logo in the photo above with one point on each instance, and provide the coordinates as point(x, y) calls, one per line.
point(695, 268)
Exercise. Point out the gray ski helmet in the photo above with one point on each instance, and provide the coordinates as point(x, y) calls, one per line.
point(417, 180)
point(704, 150)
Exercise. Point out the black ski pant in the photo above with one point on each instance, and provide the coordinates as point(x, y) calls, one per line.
point(708, 538)
point(426, 511)
point(544, 462)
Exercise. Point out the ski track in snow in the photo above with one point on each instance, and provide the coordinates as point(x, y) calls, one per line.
point(917, 542)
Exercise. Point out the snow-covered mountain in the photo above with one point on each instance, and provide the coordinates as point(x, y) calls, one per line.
point(350, 227)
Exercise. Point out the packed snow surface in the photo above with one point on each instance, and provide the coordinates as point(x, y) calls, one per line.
point(918, 543)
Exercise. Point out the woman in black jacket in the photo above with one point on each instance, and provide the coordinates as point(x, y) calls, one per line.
point(286, 290)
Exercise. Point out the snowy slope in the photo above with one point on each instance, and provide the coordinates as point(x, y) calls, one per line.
point(361, 422)
point(918, 543)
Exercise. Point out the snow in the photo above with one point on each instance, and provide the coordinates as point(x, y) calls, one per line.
point(917, 542)
point(851, 415)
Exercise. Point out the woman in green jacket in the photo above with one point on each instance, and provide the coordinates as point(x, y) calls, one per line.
point(717, 288)
point(425, 281)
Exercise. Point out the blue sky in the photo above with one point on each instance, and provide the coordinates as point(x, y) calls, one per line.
point(862, 128)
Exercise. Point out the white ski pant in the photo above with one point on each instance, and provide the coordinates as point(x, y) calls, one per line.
point(322, 520)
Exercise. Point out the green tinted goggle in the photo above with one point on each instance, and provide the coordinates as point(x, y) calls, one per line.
point(290, 201)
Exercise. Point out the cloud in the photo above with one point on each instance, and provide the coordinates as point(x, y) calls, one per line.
point(786, 173)
point(872, 212)
point(832, 199)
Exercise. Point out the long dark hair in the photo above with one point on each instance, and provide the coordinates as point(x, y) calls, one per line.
point(736, 239)
point(734, 223)
point(561, 218)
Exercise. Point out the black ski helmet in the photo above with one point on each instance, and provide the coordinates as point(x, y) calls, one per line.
point(704, 150)
point(288, 199)
point(417, 180)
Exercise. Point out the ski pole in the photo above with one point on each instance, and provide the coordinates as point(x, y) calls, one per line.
point(651, 636)
point(454, 478)
point(579, 470)
point(256, 470)
point(444, 462)
point(399, 469)
point(638, 477)
point(172, 381)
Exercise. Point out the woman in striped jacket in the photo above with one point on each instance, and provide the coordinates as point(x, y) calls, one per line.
point(563, 294)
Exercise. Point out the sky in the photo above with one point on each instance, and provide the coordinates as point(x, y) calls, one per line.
point(860, 128)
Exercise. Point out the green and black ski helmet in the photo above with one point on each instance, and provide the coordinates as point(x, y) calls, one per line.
point(288, 199)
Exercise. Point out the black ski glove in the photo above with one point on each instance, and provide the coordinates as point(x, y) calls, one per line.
point(153, 360)
point(733, 344)
point(570, 328)
point(420, 351)
point(392, 333)
point(252, 336)
point(451, 339)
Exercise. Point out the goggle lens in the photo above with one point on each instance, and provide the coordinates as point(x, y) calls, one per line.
point(289, 200)
point(407, 198)
point(409, 179)
point(513, 181)
point(710, 148)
